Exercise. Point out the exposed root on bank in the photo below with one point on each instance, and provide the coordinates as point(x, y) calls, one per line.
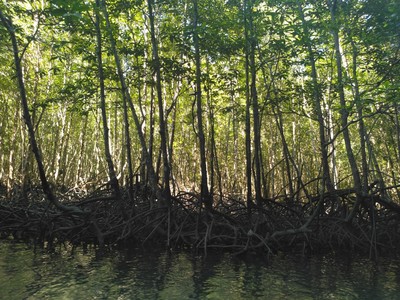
point(318, 224)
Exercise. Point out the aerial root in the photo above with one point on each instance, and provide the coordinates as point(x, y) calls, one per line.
point(230, 225)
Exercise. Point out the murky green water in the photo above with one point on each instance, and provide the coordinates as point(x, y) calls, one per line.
point(29, 274)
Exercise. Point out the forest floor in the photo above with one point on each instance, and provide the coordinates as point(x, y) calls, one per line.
point(318, 225)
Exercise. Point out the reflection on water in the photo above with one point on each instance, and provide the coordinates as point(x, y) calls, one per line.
point(29, 274)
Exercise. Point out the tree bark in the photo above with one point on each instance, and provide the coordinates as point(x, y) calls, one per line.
point(111, 170)
point(248, 106)
point(286, 152)
point(82, 145)
point(145, 152)
point(397, 122)
point(7, 23)
point(163, 130)
point(361, 125)
point(255, 106)
point(344, 113)
point(327, 181)
point(205, 195)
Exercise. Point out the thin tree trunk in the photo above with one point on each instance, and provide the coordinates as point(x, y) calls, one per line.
point(27, 118)
point(332, 147)
point(248, 106)
point(172, 134)
point(205, 196)
point(361, 124)
point(149, 164)
point(327, 182)
point(82, 144)
point(286, 153)
point(344, 112)
point(111, 170)
point(64, 165)
point(128, 149)
point(163, 131)
point(151, 133)
point(24, 159)
point(254, 101)
point(59, 144)
point(396, 110)
point(212, 142)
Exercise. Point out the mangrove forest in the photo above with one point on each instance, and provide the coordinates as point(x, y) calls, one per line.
point(259, 126)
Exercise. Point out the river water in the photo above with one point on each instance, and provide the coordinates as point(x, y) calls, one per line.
point(26, 273)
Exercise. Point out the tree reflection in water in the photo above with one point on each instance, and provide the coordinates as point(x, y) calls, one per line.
point(151, 274)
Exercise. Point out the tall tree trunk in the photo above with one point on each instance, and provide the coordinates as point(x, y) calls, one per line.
point(7, 23)
point(147, 157)
point(212, 146)
point(361, 124)
point(65, 166)
point(163, 130)
point(79, 179)
point(326, 177)
point(286, 152)
point(332, 146)
point(248, 106)
point(210, 125)
point(343, 111)
point(111, 170)
point(254, 101)
point(128, 149)
point(397, 122)
point(172, 132)
point(205, 195)
point(151, 133)
point(25, 159)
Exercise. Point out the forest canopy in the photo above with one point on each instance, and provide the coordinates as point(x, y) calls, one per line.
point(258, 100)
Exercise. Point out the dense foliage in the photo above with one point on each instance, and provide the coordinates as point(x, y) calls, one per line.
point(253, 99)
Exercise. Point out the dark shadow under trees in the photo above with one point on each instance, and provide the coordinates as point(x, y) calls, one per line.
point(318, 225)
